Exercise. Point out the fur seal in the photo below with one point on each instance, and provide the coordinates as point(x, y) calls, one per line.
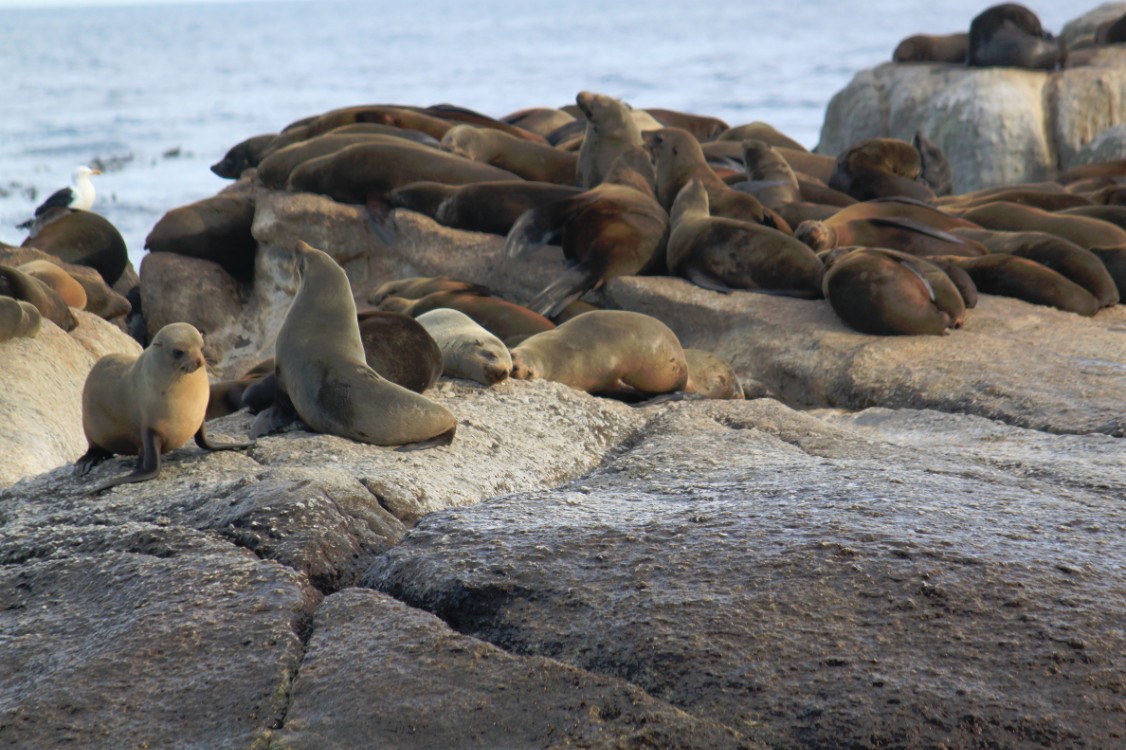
point(400, 349)
point(322, 373)
point(18, 319)
point(491, 207)
point(1014, 217)
point(614, 229)
point(1010, 35)
point(56, 277)
point(275, 169)
point(907, 227)
point(366, 171)
point(85, 238)
point(761, 131)
point(1066, 258)
point(21, 286)
point(886, 293)
point(702, 127)
point(606, 352)
point(532, 161)
point(1012, 276)
point(680, 159)
point(243, 156)
point(468, 350)
point(508, 321)
point(417, 287)
point(1113, 214)
point(934, 168)
point(1047, 200)
point(147, 405)
point(215, 229)
point(1114, 258)
point(938, 48)
point(461, 115)
point(880, 168)
point(610, 130)
point(541, 120)
point(710, 376)
point(724, 254)
point(776, 181)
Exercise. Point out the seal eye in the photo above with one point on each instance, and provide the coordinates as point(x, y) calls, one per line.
point(177, 353)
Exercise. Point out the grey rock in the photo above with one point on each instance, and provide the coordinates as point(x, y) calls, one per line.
point(140, 636)
point(813, 582)
point(422, 685)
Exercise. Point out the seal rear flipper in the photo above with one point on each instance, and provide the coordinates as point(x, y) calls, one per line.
point(379, 216)
point(438, 441)
point(573, 282)
point(259, 396)
point(148, 464)
point(274, 419)
point(90, 459)
point(203, 441)
point(541, 225)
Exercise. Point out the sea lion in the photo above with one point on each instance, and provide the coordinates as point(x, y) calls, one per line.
point(938, 48)
point(1013, 217)
point(610, 130)
point(1012, 276)
point(54, 276)
point(275, 169)
point(322, 374)
point(468, 350)
point(761, 131)
point(417, 287)
point(215, 229)
point(680, 159)
point(886, 293)
point(508, 321)
point(147, 405)
point(359, 173)
point(614, 229)
point(538, 162)
point(1010, 35)
point(702, 127)
point(243, 156)
point(606, 352)
point(880, 168)
point(400, 349)
point(18, 319)
point(711, 376)
point(1062, 256)
point(723, 254)
point(491, 207)
point(21, 286)
point(85, 238)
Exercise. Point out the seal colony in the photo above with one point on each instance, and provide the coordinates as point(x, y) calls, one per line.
point(873, 232)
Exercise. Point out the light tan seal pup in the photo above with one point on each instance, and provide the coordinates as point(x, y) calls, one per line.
point(606, 352)
point(711, 376)
point(147, 405)
point(468, 350)
point(65, 285)
point(323, 377)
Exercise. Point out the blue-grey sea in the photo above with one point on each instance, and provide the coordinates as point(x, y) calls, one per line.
point(157, 93)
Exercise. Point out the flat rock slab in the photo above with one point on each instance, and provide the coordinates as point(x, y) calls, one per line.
point(380, 674)
point(1025, 364)
point(843, 581)
point(327, 505)
point(141, 636)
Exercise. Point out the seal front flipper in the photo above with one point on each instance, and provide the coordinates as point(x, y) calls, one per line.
point(445, 438)
point(536, 226)
point(148, 464)
point(203, 441)
point(90, 459)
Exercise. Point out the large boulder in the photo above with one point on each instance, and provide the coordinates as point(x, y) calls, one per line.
point(41, 393)
point(996, 126)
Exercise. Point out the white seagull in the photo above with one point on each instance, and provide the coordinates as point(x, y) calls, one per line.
point(80, 196)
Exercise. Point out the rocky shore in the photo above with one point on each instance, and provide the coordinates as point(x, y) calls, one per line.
point(909, 542)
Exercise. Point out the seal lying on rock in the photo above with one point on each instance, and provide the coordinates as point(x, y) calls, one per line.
point(606, 352)
point(468, 350)
point(147, 405)
point(322, 374)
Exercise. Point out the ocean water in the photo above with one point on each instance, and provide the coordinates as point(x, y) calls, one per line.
point(158, 93)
